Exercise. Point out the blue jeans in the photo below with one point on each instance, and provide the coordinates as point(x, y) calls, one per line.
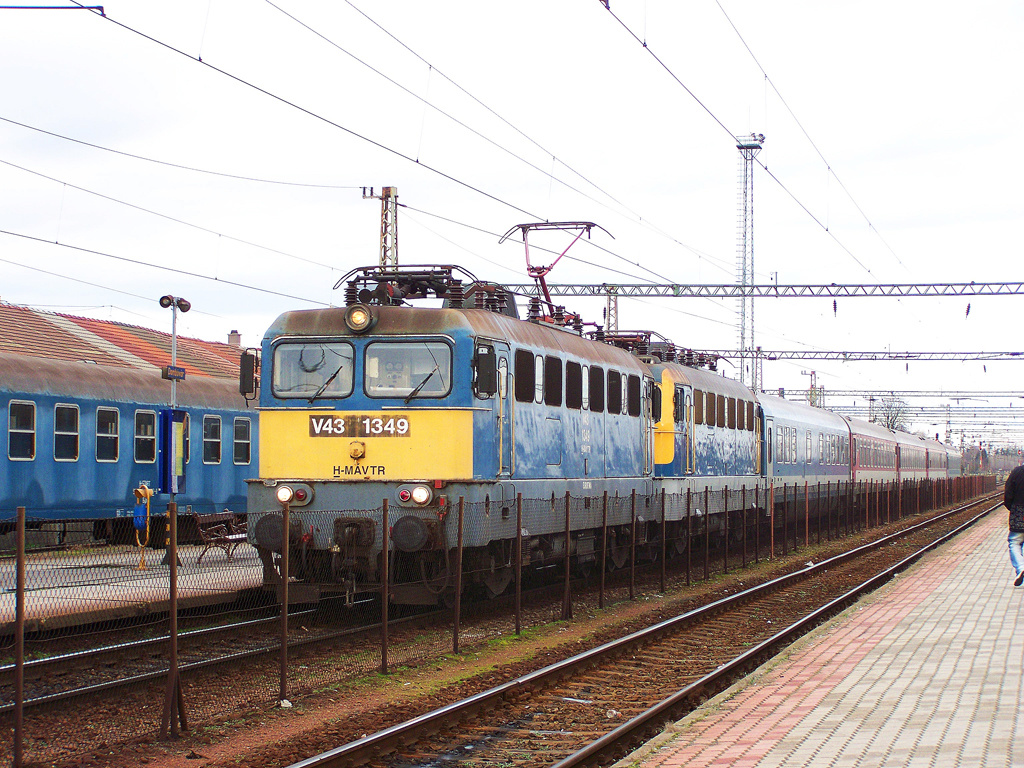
point(1016, 542)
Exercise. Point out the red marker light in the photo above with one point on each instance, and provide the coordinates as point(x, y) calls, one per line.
point(404, 495)
point(300, 494)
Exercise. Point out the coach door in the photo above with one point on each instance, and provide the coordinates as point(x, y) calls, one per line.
point(767, 449)
point(506, 432)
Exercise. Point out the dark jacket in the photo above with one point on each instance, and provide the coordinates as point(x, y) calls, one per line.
point(1013, 498)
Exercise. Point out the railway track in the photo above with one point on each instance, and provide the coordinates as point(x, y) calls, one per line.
point(596, 706)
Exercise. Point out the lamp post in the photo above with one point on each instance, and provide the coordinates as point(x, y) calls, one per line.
point(175, 303)
point(174, 700)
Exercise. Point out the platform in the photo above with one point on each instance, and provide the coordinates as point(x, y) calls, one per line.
point(927, 671)
point(82, 587)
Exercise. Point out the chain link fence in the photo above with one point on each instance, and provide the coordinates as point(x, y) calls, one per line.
point(92, 627)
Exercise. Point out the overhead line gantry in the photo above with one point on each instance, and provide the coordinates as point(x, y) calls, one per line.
point(772, 290)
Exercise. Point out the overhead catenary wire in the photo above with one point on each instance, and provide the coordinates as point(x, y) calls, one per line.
point(732, 134)
point(803, 130)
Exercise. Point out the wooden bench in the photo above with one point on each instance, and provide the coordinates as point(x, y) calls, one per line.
point(219, 530)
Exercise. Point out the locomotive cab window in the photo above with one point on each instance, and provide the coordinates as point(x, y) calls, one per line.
point(65, 432)
point(107, 426)
point(21, 431)
point(313, 370)
point(408, 369)
point(145, 437)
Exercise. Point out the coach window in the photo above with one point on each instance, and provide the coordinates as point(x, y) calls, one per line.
point(792, 437)
point(524, 376)
point(573, 385)
point(614, 392)
point(807, 447)
point(243, 440)
point(698, 406)
point(596, 389)
point(552, 381)
point(633, 395)
point(107, 425)
point(65, 432)
point(145, 437)
point(779, 442)
point(211, 439)
point(21, 431)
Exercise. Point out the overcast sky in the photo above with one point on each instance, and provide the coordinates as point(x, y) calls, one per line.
point(891, 133)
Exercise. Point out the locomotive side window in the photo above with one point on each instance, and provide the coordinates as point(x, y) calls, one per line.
point(243, 440)
point(614, 392)
point(21, 431)
point(710, 409)
point(584, 387)
point(698, 406)
point(65, 432)
point(107, 426)
point(596, 389)
point(741, 411)
point(524, 376)
point(552, 381)
point(721, 411)
point(407, 369)
point(313, 370)
point(211, 439)
point(573, 385)
point(731, 412)
point(750, 416)
point(145, 437)
point(633, 395)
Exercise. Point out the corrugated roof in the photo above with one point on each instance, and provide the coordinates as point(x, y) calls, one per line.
point(35, 333)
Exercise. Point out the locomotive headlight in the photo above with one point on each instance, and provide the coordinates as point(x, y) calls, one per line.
point(285, 494)
point(421, 494)
point(358, 318)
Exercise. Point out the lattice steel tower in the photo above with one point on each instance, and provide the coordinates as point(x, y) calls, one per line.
point(750, 361)
point(388, 224)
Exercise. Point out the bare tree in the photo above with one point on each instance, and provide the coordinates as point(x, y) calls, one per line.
point(892, 414)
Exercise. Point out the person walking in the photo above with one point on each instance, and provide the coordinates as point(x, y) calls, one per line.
point(1013, 498)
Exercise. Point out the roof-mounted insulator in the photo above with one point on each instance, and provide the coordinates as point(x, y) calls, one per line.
point(533, 314)
point(455, 295)
point(599, 333)
point(351, 293)
point(559, 315)
point(577, 325)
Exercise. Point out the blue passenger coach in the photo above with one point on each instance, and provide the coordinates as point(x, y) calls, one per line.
point(81, 434)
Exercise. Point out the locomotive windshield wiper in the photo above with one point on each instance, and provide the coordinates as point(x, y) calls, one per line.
point(418, 387)
point(327, 383)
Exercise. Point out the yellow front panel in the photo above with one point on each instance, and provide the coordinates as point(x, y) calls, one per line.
point(406, 445)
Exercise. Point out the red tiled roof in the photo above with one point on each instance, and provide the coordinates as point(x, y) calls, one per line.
point(32, 332)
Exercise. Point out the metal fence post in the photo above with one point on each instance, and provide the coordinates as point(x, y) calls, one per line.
point(725, 528)
point(458, 580)
point(807, 515)
point(566, 597)
point(707, 534)
point(385, 586)
point(743, 504)
point(174, 700)
point(519, 564)
point(664, 536)
point(632, 544)
point(689, 537)
point(286, 524)
point(604, 549)
point(19, 641)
